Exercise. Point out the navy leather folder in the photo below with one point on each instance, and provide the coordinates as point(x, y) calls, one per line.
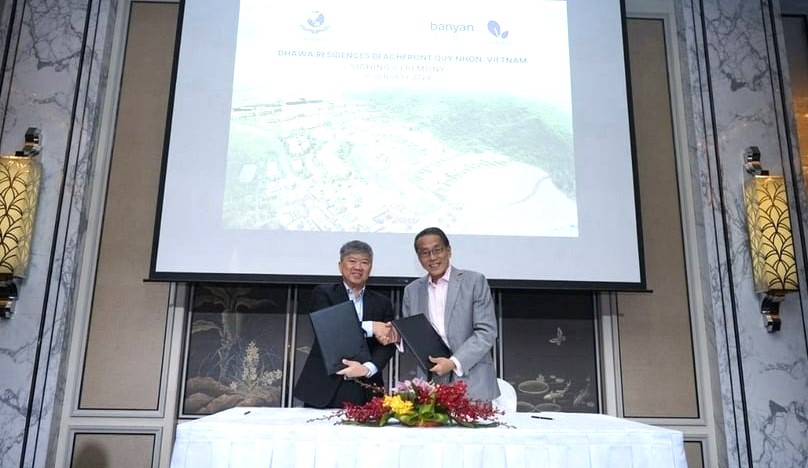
point(340, 335)
point(421, 339)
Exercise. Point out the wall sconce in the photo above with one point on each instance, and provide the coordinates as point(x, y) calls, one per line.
point(770, 241)
point(20, 175)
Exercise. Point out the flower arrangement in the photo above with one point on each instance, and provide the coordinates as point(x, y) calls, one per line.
point(420, 403)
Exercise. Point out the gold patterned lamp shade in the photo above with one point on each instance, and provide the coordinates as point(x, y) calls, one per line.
point(771, 243)
point(19, 191)
point(20, 176)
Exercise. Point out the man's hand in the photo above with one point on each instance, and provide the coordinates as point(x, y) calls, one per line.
point(385, 333)
point(353, 369)
point(442, 365)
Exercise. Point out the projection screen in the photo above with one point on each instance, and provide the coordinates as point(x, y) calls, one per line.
point(296, 126)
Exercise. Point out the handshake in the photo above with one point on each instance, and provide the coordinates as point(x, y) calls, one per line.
point(385, 333)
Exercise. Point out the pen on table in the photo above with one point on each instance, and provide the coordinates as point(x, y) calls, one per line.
point(541, 417)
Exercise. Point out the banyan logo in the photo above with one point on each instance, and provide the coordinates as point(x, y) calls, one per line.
point(496, 30)
point(451, 27)
point(315, 23)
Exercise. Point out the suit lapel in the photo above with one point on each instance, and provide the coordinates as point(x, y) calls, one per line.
point(369, 307)
point(339, 294)
point(422, 306)
point(451, 298)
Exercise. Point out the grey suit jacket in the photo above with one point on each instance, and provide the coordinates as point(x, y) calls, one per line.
point(471, 327)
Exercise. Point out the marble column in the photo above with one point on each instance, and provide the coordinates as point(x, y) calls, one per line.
point(735, 100)
point(54, 79)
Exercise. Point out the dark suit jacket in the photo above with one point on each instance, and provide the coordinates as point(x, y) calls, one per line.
point(314, 386)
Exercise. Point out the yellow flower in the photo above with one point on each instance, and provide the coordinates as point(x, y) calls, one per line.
point(397, 404)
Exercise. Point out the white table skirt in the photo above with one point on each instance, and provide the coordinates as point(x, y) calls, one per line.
point(281, 437)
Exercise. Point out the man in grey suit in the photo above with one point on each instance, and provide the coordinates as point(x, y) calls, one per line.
point(458, 303)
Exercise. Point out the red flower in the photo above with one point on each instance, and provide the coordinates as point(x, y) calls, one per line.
point(452, 398)
point(371, 412)
point(437, 404)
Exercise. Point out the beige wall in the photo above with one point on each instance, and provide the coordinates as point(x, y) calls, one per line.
point(656, 352)
point(96, 450)
point(127, 332)
point(120, 414)
point(695, 454)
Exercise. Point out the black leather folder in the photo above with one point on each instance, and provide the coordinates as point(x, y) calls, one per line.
point(421, 339)
point(340, 336)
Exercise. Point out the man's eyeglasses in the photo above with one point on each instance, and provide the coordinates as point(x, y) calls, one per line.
point(437, 252)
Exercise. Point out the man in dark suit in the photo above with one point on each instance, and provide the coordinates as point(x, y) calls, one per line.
point(314, 386)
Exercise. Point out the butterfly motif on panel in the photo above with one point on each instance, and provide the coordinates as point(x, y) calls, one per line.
point(559, 338)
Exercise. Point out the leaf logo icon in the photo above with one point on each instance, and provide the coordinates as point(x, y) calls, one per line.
point(494, 28)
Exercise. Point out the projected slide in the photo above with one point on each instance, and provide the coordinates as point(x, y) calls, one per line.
point(381, 117)
point(297, 126)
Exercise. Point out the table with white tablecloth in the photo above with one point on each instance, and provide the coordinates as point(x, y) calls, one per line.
point(281, 437)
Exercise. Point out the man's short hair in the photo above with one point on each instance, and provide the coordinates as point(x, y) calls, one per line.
point(353, 247)
point(431, 231)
